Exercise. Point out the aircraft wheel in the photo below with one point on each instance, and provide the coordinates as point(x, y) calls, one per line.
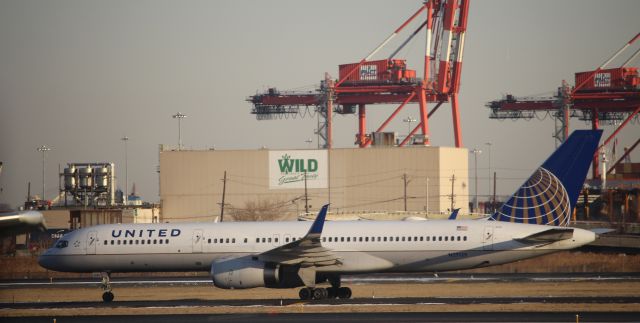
point(107, 297)
point(305, 293)
point(319, 293)
point(344, 292)
point(332, 292)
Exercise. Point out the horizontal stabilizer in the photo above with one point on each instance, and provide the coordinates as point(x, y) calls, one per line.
point(550, 235)
point(600, 231)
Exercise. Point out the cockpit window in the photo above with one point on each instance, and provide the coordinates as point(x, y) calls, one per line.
point(62, 244)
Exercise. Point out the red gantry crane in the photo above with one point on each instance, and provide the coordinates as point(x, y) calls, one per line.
point(604, 94)
point(387, 81)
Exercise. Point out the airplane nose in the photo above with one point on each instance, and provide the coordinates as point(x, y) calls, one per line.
point(46, 261)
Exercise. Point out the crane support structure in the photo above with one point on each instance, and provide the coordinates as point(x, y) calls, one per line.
point(604, 94)
point(387, 81)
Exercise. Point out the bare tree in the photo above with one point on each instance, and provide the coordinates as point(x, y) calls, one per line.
point(261, 210)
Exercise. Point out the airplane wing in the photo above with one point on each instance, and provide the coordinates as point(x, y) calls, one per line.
point(550, 235)
point(307, 251)
point(21, 222)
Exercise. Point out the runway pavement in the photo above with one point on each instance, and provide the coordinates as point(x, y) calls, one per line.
point(349, 317)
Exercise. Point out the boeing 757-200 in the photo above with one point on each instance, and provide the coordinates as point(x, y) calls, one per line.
point(533, 222)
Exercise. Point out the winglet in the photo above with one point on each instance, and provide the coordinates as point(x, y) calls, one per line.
point(454, 214)
point(318, 223)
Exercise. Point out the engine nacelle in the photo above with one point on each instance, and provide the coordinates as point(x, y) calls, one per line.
point(246, 272)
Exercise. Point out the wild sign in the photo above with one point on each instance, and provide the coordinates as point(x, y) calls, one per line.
point(287, 169)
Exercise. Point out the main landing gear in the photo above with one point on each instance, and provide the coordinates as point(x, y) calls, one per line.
point(107, 295)
point(335, 291)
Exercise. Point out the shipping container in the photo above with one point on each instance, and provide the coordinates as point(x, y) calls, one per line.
point(617, 79)
point(381, 71)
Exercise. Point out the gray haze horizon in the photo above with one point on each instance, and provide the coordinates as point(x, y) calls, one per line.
point(79, 75)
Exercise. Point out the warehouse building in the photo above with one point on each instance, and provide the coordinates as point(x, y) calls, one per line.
point(272, 182)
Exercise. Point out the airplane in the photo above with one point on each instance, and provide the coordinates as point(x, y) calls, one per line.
point(532, 223)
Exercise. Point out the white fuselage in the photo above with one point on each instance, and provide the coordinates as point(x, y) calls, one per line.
point(362, 246)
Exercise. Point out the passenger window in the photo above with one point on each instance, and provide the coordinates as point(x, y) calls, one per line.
point(118, 241)
point(464, 238)
point(379, 239)
point(434, 238)
point(341, 239)
point(124, 241)
point(269, 240)
point(421, 237)
point(155, 241)
point(385, 239)
point(348, 239)
point(142, 241)
point(287, 239)
point(209, 240)
point(453, 238)
point(427, 238)
point(166, 241)
point(397, 238)
point(366, 239)
point(276, 238)
point(137, 241)
point(130, 241)
point(111, 241)
point(160, 241)
point(226, 240)
point(402, 238)
point(415, 238)
point(324, 239)
point(330, 239)
point(458, 238)
point(257, 240)
point(440, 238)
point(246, 240)
point(360, 238)
point(234, 240)
point(446, 238)
point(264, 240)
point(105, 242)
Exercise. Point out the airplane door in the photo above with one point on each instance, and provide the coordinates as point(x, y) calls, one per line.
point(276, 240)
point(92, 241)
point(487, 239)
point(197, 240)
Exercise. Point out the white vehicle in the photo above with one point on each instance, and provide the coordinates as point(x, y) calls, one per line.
point(301, 254)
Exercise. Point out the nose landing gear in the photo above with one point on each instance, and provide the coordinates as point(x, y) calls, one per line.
point(107, 295)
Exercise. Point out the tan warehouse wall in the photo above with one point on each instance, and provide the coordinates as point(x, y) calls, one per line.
point(360, 180)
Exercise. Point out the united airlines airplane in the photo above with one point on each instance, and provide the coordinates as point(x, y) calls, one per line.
point(533, 222)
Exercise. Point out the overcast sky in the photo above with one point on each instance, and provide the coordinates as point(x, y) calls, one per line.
point(77, 75)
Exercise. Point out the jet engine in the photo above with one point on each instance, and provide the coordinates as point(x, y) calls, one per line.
point(247, 272)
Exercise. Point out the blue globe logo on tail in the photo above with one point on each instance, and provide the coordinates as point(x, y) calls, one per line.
point(542, 199)
point(550, 194)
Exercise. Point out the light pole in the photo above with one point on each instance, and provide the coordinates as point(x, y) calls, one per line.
point(409, 120)
point(475, 153)
point(125, 200)
point(179, 116)
point(43, 149)
point(489, 144)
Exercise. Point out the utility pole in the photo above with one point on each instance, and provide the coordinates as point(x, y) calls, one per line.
point(453, 184)
point(306, 197)
point(426, 198)
point(406, 182)
point(224, 191)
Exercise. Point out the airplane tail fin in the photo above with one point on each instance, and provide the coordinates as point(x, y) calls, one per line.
point(550, 194)
point(454, 214)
